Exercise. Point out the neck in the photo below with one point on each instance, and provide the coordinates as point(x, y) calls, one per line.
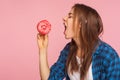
point(78, 45)
point(77, 41)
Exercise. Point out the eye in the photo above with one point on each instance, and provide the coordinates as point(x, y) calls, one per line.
point(70, 16)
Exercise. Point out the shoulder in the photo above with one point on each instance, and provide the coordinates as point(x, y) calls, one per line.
point(66, 48)
point(65, 51)
point(106, 52)
point(107, 49)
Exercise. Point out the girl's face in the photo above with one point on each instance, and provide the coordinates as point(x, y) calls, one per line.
point(68, 23)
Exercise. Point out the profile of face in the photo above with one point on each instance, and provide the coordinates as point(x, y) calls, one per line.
point(68, 23)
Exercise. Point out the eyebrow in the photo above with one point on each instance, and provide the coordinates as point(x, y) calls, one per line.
point(70, 13)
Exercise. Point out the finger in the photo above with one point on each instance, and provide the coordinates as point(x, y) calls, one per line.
point(46, 36)
point(38, 36)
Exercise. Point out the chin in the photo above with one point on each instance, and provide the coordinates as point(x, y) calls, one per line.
point(67, 37)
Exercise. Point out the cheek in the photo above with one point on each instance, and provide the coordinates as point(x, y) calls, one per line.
point(69, 32)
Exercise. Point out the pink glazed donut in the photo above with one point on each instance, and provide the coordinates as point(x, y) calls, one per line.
point(43, 27)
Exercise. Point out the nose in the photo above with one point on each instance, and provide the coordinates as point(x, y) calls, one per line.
point(65, 19)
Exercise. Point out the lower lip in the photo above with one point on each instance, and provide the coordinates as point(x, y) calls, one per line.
point(64, 32)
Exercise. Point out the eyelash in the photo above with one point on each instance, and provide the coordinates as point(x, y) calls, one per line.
point(69, 16)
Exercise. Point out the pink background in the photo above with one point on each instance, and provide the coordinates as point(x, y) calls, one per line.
point(18, 19)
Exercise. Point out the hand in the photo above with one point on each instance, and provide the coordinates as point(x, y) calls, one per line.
point(42, 41)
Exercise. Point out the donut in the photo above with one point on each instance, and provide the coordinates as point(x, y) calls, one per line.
point(43, 27)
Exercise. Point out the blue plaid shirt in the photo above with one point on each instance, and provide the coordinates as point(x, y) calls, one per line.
point(105, 64)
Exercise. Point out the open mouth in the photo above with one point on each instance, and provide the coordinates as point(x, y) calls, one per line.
point(64, 26)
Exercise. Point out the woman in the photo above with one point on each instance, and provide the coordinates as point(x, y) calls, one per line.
point(86, 57)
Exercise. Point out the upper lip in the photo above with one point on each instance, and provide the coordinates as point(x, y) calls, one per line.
point(64, 24)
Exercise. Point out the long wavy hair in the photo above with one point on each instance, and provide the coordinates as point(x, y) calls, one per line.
point(91, 28)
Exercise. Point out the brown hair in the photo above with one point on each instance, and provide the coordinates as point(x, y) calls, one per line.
point(91, 28)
